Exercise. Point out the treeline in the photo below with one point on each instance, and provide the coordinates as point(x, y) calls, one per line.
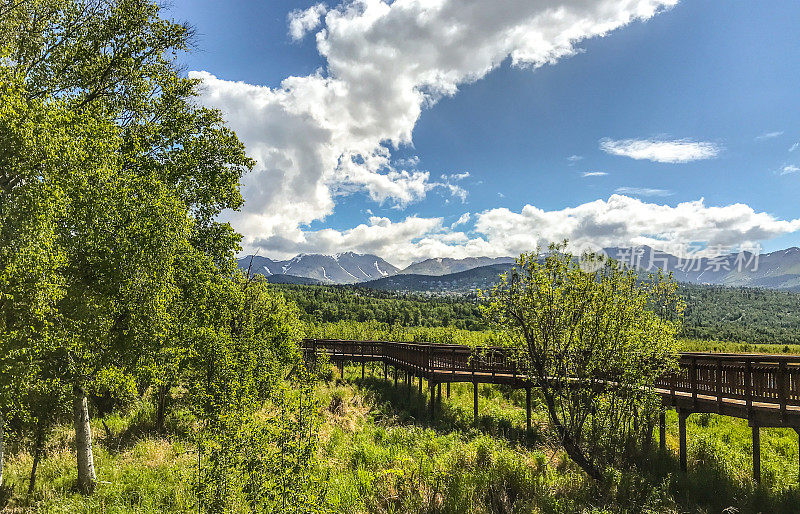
point(325, 304)
point(741, 314)
point(712, 312)
point(117, 284)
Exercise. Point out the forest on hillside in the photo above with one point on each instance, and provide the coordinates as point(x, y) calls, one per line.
point(712, 312)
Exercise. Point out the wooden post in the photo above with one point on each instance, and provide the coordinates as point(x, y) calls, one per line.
point(528, 408)
point(693, 381)
point(662, 430)
point(448, 389)
point(439, 392)
point(362, 370)
point(385, 367)
point(395, 377)
point(475, 400)
point(341, 369)
point(782, 389)
point(420, 384)
point(756, 454)
point(682, 415)
point(432, 387)
point(798, 442)
point(748, 382)
point(719, 385)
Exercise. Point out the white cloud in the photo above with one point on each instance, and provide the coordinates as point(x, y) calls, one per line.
point(333, 132)
point(769, 135)
point(789, 168)
point(456, 176)
point(674, 151)
point(594, 174)
point(794, 146)
point(643, 191)
point(574, 158)
point(464, 218)
point(618, 221)
point(304, 21)
point(622, 220)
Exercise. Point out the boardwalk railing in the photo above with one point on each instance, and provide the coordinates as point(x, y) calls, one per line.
point(763, 389)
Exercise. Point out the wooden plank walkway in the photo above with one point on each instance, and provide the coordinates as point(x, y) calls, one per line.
point(763, 389)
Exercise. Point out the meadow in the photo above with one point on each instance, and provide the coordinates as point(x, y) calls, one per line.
point(381, 452)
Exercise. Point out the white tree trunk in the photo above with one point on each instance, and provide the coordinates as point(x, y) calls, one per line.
point(2, 445)
point(83, 441)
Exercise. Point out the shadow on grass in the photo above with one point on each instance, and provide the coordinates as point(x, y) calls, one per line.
point(405, 403)
point(709, 486)
point(140, 425)
point(706, 487)
point(6, 491)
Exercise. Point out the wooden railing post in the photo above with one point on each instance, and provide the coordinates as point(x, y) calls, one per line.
point(748, 386)
point(719, 385)
point(693, 381)
point(782, 388)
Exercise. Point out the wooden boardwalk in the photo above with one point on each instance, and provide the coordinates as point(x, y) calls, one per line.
point(763, 389)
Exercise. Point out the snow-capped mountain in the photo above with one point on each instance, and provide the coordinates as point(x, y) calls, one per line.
point(445, 265)
point(775, 270)
point(342, 268)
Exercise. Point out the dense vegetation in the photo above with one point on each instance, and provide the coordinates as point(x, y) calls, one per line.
point(117, 282)
point(712, 312)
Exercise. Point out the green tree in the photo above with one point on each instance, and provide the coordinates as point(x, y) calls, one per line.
point(142, 172)
point(594, 339)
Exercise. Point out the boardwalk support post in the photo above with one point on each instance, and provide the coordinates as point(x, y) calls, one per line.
point(439, 393)
point(528, 408)
point(341, 369)
point(432, 387)
point(798, 440)
point(756, 453)
point(475, 400)
point(395, 377)
point(362, 370)
point(662, 430)
point(682, 415)
point(448, 390)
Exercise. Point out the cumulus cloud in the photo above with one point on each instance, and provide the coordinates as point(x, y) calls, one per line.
point(643, 191)
point(594, 174)
point(303, 21)
point(574, 158)
point(674, 151)
point(622, 221)
point(618, 221)
point(333, 132)
point(789, 168)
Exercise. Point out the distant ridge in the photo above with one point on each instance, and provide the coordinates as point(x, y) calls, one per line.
point(469, 280)
point(445, 265)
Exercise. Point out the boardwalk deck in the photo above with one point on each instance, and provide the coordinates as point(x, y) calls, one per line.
point(763, 389)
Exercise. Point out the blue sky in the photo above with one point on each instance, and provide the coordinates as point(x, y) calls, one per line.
point(349, 160)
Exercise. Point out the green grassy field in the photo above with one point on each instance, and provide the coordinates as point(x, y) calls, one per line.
point(381, 452)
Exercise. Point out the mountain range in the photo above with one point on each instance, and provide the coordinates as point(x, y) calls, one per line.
point(342, 268)
point(776, 270)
